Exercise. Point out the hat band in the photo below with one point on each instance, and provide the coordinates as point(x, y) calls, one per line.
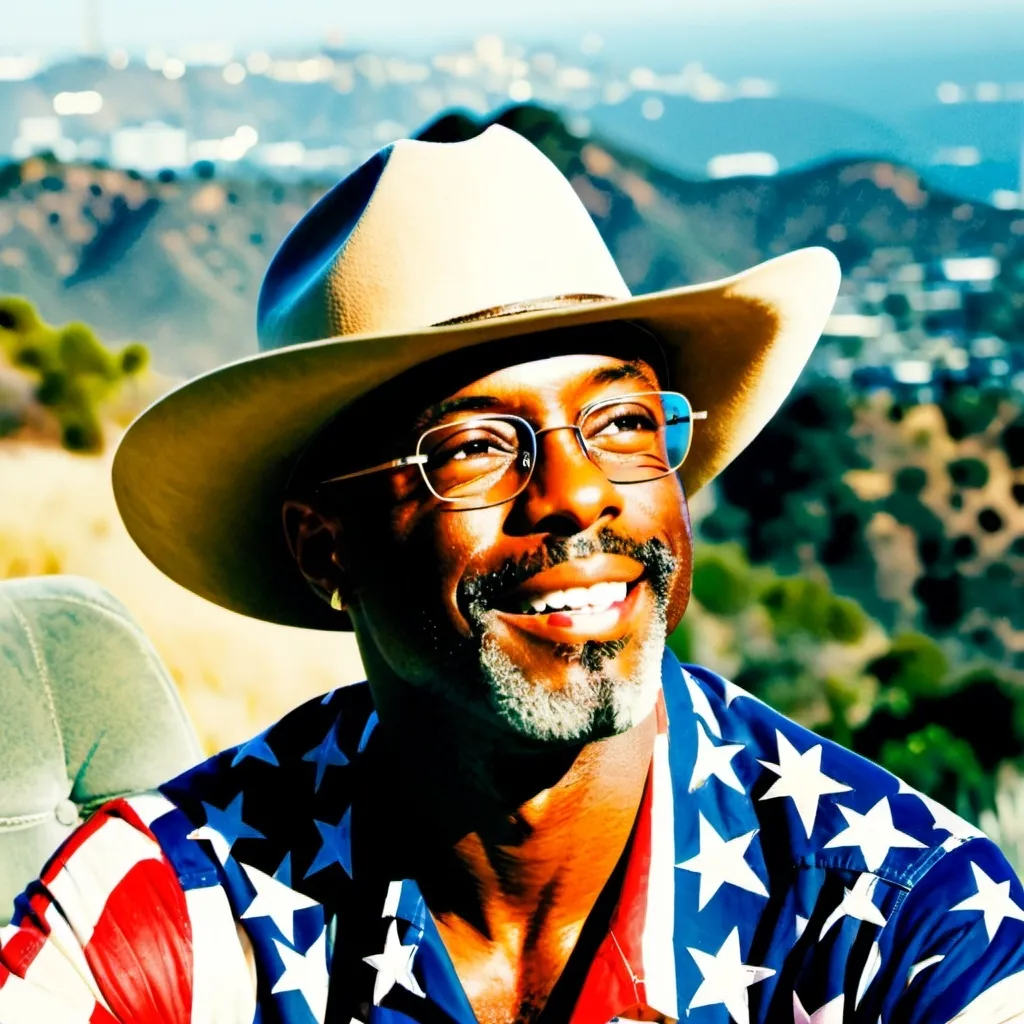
point(555, 302)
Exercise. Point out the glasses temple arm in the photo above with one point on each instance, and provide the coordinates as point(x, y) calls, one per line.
point(409, 460)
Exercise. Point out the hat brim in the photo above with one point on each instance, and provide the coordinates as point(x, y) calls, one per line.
point(199, 476)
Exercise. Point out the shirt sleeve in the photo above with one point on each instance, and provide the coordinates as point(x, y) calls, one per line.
point(958, 943)
point(108, 935)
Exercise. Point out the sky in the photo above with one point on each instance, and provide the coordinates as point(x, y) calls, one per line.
point(56, 25)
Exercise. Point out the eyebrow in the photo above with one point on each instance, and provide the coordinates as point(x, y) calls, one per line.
point(632, 370)
point(468, 403)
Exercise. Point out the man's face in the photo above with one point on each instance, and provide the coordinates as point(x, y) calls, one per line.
point(544, 615)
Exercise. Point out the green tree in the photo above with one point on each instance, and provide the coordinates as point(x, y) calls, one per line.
point(75, 372)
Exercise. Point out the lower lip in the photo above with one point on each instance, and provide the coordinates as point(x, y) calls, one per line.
point(569, 627)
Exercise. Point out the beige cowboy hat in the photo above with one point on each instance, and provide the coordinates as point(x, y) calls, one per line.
point(425, 249)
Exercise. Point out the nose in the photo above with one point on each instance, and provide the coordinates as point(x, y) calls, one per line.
point(567, 492)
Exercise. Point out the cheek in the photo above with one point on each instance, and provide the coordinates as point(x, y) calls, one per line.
point(465, 543)
point(682, 548)
point(658, 509)
point(661, 511)
point(431, 548)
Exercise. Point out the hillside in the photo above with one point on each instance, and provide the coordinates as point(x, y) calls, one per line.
point(797, 131)
point(178, 261)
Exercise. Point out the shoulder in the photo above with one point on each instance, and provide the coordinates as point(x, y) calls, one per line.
point(296, 756)
point(108, 925)
point(958, 938)
point(278, 805)
point(895, 891)
point(833, 808)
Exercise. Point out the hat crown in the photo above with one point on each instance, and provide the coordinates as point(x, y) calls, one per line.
point(427, 232)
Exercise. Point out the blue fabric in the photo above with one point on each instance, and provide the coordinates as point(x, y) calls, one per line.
point(889, 909)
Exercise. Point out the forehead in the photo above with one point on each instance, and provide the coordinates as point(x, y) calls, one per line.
point(558, 373)
point(566, 382)
point(538, 364)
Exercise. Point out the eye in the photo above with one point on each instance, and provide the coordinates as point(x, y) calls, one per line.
point(631, 421)
point(462, 446)
point(468, 449)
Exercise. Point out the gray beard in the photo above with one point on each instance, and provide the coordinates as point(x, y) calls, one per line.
point(592, 705)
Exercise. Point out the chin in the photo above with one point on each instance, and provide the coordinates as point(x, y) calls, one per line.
point(592, 691)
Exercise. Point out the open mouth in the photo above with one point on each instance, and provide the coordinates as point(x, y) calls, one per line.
point(573, 601)
point(593, 598)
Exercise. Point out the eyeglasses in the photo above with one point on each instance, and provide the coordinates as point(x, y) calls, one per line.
point(487, 460)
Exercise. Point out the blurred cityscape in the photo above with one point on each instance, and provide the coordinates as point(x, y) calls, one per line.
point(323, 109)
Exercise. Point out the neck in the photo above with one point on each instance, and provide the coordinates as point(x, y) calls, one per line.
point(554, 853)
point(510, 838)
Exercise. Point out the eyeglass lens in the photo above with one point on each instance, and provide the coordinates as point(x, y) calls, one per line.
point(488, 459)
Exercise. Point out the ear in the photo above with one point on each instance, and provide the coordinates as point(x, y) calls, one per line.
point(316, 542)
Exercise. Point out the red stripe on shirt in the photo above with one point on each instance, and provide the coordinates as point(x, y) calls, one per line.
point(140, 949)
point(140, 952)
point(614, 984)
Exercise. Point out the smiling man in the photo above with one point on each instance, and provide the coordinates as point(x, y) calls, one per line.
point(465, 440)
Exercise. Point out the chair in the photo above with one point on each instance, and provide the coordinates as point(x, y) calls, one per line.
point(88, 712)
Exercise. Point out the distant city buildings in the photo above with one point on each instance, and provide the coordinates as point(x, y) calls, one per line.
point(128, 119)
point(327, 109)
point(905, 326)
point(150, 147)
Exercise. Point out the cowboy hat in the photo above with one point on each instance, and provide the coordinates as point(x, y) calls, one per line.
point(426, 249)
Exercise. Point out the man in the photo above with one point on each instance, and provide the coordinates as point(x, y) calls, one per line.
point(531, 812)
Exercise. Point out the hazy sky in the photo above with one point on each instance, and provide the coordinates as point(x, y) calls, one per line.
point(59, 24)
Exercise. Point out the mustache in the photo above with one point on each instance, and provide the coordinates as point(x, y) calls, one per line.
point(478, 593)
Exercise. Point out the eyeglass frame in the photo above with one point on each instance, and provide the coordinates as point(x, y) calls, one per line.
point(419, 459)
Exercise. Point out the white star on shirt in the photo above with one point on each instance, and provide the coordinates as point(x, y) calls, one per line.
point(857, 903)
point(872, 966)
point(923, 965)
point(305, 973)
point(830, 1013)
point(943, 817)
point(801, 779)
point(720, 861)
point(725, 978)
point(714, 760)
point(393, 966)
point(275, 900)
point(701, 705)
point(874, 833)
point(993, 900)
point(733, 692)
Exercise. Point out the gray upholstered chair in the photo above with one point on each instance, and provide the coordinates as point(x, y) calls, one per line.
point(87, 712)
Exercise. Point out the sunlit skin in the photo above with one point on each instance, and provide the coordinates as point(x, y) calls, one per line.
point(516, 838)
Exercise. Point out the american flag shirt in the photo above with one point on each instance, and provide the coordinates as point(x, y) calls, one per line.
point(772, 876)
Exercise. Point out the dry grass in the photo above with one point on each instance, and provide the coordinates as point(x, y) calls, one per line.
point(236, 675)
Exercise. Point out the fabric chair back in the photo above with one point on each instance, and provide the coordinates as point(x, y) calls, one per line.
point(88, 712)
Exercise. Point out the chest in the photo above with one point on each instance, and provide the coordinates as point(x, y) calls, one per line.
point(512, 975)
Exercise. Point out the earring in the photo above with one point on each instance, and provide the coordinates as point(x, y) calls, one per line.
point(336, 600)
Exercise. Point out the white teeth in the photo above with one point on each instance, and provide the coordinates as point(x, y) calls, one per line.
point(597, 598)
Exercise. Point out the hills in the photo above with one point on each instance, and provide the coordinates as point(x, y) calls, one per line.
point(969, 149)
point(177, 261)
